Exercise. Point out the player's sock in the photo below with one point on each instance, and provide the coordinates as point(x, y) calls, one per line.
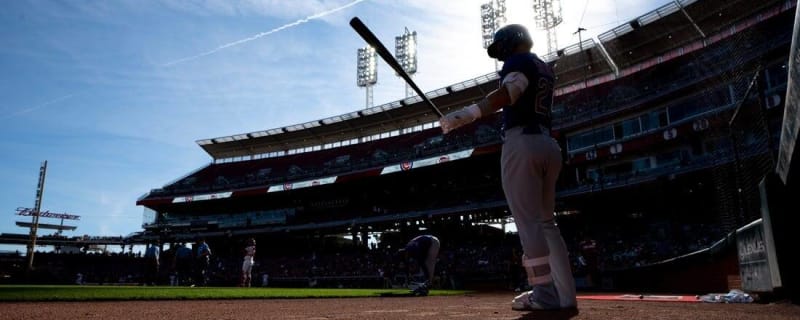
point(560, 267)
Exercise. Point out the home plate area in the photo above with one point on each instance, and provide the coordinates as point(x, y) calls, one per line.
point(639, 297)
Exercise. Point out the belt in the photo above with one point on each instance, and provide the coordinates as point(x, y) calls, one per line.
point(528, 129)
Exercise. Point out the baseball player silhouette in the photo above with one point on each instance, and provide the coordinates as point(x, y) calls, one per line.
point(247, 264)
point(424, 250)
point(530, 164)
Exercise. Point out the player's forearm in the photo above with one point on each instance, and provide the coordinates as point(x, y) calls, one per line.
point(494, 101)
point(488, 105)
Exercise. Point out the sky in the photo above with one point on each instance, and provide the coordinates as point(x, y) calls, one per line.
point(114, 94)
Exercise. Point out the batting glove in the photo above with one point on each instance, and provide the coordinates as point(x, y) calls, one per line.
point(456, 119)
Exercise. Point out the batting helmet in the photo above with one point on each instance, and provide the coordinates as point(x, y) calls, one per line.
point(506, 39)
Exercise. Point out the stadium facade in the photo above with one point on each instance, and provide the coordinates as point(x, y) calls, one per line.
point(670, 118)
point(643, 110)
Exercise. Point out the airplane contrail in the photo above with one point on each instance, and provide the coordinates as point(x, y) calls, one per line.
point(39, 106)
point(262, 34)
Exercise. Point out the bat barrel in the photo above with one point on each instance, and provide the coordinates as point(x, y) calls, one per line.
point(373, 41)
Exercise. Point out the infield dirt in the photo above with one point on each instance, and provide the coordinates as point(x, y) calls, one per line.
point(473, 306)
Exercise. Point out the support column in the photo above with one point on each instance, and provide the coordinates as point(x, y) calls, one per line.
point(354, 234)
point(365, 238)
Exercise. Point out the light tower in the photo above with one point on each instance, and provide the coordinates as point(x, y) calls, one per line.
point(547, 14)
point(406, 54)
point(35, 213)
point(493, 15)
point(367, 73)
point(35, 217)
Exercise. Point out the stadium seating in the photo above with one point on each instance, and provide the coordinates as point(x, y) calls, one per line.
point(651, 127)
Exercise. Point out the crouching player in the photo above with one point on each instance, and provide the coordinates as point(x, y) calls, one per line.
point(424, 250)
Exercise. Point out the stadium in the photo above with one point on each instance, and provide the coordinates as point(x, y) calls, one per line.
point(668, 125)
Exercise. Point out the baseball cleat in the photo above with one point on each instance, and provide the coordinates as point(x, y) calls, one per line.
point(419, 288)
point(542, 297)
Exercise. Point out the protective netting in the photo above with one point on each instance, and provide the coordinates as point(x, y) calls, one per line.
point(746, 141)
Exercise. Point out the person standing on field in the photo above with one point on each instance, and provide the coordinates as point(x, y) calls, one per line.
point(530, 164)
point(203, 260)
point(247, 265)
point(151, 261)
point(183, 264)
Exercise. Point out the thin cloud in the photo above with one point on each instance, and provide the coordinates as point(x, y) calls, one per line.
point(37, 107)
point(262, 34)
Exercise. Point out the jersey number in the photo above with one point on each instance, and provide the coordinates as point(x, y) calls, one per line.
point(544, 97)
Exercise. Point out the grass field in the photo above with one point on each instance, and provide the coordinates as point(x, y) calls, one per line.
point(116, 293)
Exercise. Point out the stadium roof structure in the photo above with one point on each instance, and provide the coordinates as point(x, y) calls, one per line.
point(649, 35)
point(713, 15)
point(47, 226)
point(405, 113)
point(621, 50)
point(55, 240)
point(673, 25)
point(581, 61)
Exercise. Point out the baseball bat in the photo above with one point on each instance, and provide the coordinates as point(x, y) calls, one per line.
point(373, 41)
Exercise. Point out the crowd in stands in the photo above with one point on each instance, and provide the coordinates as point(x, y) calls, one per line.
point(94, 268)
point(477, 260)
point(634, 91)
point(317, 164)
point(621, 248)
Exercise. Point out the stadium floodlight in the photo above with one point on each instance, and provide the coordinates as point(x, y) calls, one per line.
point(406, 54)
point(406, 51)
point(367, 66)
point(493, 15)
point(367, 73)
point(547, 14)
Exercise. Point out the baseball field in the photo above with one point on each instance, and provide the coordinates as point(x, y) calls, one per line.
point(126, 293)
point(106, 302)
